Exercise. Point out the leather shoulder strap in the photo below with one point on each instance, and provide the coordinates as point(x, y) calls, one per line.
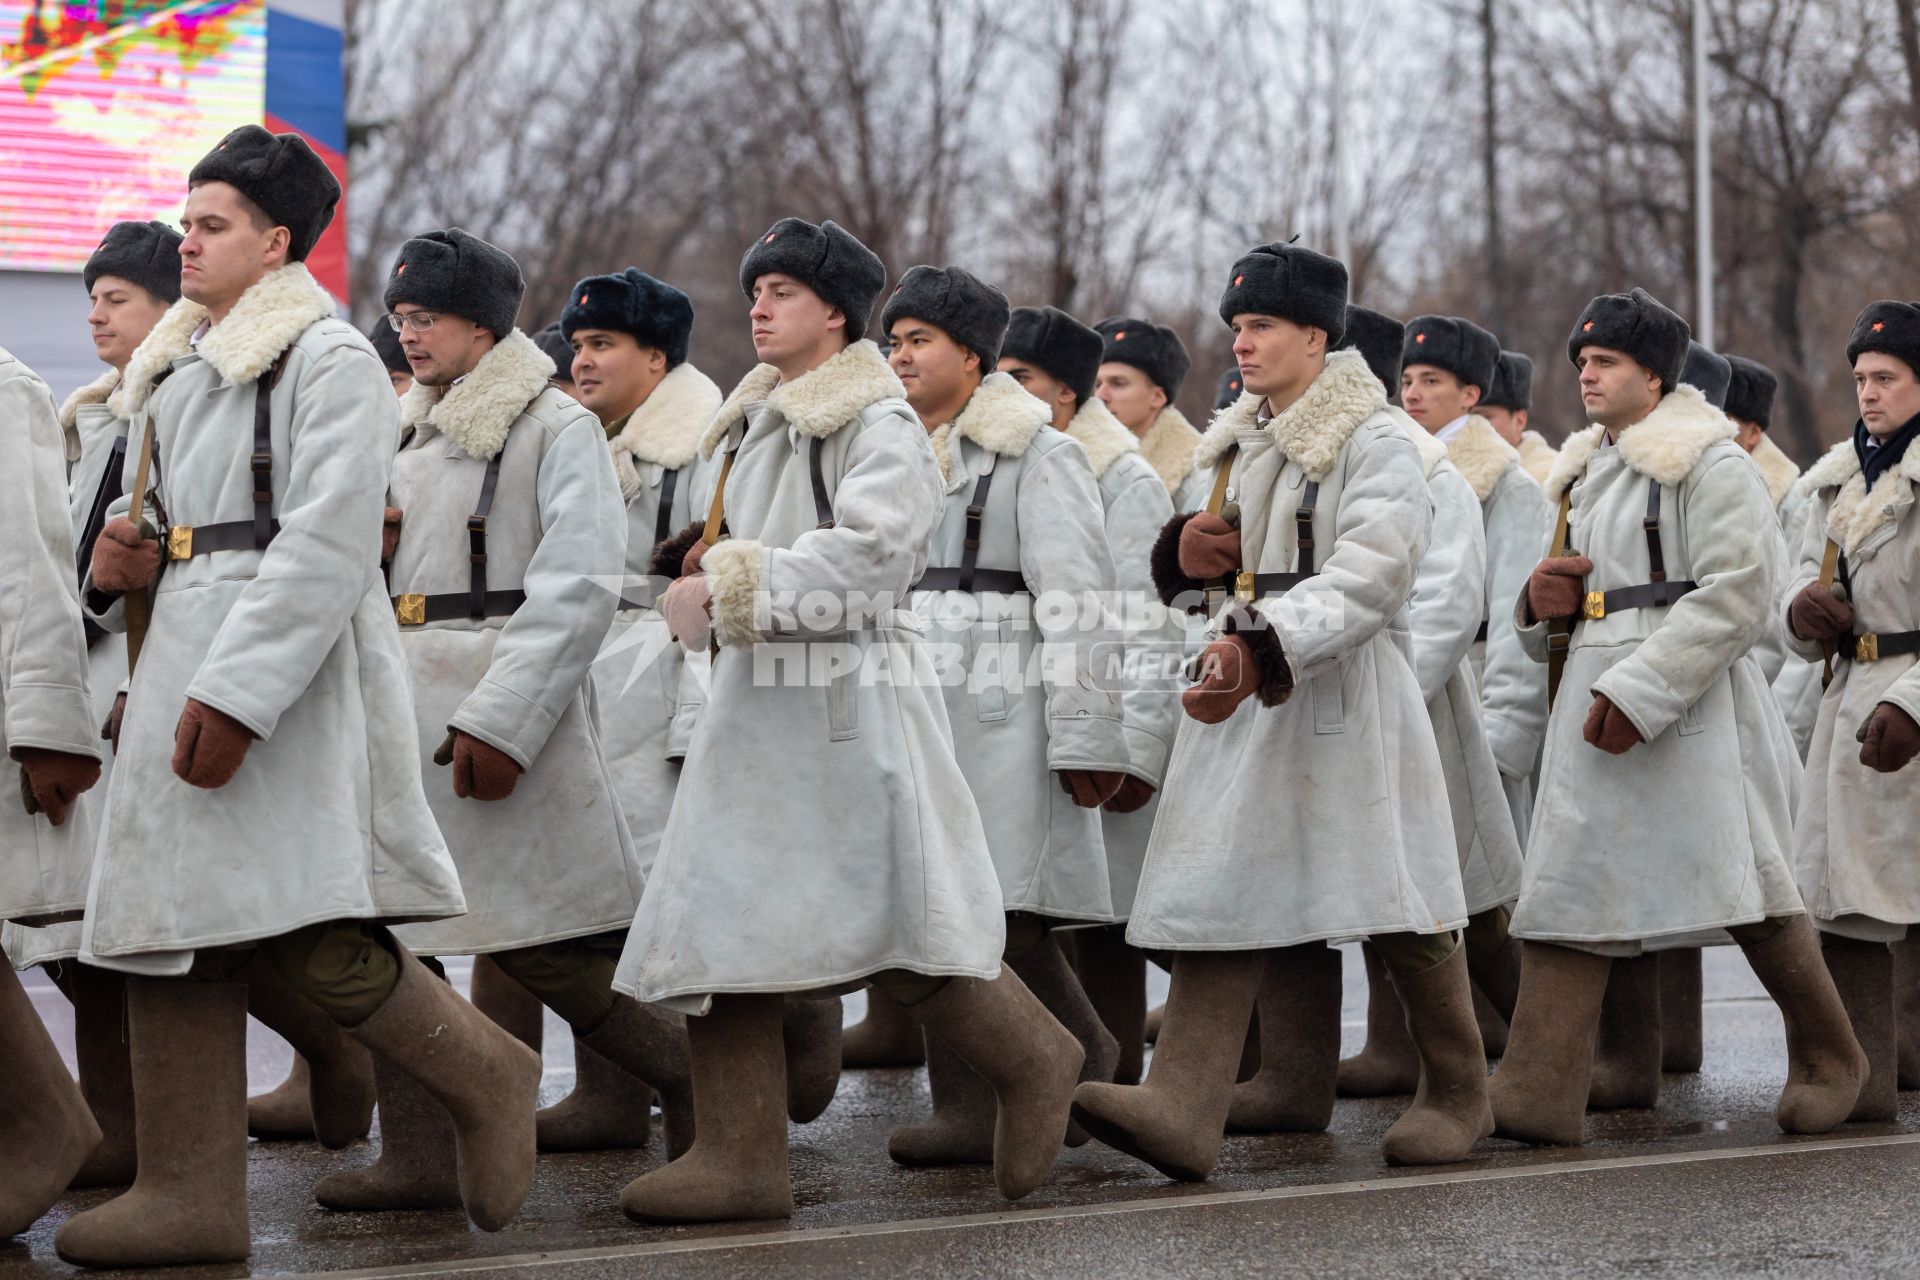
point(1560, 630)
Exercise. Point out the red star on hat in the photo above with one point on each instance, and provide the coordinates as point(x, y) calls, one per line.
point(1878, 325)
point(583, 299)
point(1587, 327)
point(1120, 336)
point(1419, 338)
point(770, 236)
point(1238, 279)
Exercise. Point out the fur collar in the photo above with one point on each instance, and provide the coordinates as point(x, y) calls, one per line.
point(1776, 468)
point(95, 392)
point(477, 412)
point(1106, 438)
point(1537, 456)
point(1314, 428)
point(1432, 452)
point(1854, 514)
point(1168, 446)
point(1662, 446)
point(665, 429)
point(1001, 417)
point(1480, 455)
point(269, 317)
point(818, 402)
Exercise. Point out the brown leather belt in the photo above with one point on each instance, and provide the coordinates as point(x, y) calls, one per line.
point(418, 610)
point(185, 541)
point(1647, 595)
point(1874, 646)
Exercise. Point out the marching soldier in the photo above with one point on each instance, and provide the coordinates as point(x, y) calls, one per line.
point(835, 840)
point(1141, 370)
point(1854, 612)
point(1663, 810)
point(48, 733)
point(1057, 358)
point(267, 813)
point(1045, 745)
point(1305, 800)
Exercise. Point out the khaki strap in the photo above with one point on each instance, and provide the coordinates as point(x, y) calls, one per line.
point(717, 509)
point(136, 602)
point(1220, 478)
point(1560, 630)
point(1829, 563)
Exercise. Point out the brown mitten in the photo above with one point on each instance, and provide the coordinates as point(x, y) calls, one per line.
point(1090, 788)
point(1817, 614)
point(1554, 589)
point(1228, 677)
point(56, 778)
point(482, 771)
point(1131, 797)
point(1209, 547)
point(1609, 729)
point(110, 731)
point(123, 560)
point(389, 534)
point(208, 746)
point(690, 563)
point(687, 606)
point(1889, 739)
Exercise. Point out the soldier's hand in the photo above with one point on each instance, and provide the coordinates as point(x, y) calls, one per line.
point(481, 771)
point(1228, 677)
point(1132, 796)
point(123, 560)
point(110, 731)
point(1209, 547)
point(56, 778)
point(389, 534)
point(1090, 788)
point(208, 746)
point(687, 605)
point(1817, 614)
point(1609, 729)
point(1553, 592)
point(1889, 739)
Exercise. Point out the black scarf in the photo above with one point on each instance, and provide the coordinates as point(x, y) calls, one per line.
point(1887, 454)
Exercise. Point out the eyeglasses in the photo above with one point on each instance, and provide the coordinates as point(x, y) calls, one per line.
point(418, 321)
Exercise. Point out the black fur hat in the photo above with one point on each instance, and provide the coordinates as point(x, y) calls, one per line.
point(1750, 391)
point(827, 259)
point(1512, 383)
point(142, 253)
point(280, 173)
point(1637, 324)
point(1292, 283)
point(458, 273)
point(1890, 327)
point(1377, 338)
point(387, 343)
point(1709, 371)
point(1152, 349)
point(653, 311)
point(1461, 347)
point(1048, 337)
point(551, 340)
point(1229, 389)
point(968, 309)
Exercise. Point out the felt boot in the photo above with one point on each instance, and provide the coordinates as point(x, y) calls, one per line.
point(1539, 1094)
point(1299, 1016)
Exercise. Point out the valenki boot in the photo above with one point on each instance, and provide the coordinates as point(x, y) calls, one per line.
point(101, 1051)
point(1028, 1059)
point(1387, 1064)
point(1906, 1007)
point(1047, 974)
point(811, 1032)
point(960, 1130)
point(45, 1126)
point(1539, 1094)
point(608, 1110)
point(513, 1008)
point(650, 1043)
point(1450, 1111)
point(1176, 1119)
point(886, 1037)
point(1863, 976)
point(188, 1203)
point(737, 1165)
point(284, 1113)
point(1681, 1040)
point(340, 1086)
point(1493, 1027)
point(1826, 1067)
point(1114, 976)
point(1496, 983)
point(1299, 1016)
point(418, 1164)
point(1626, 1051)
point(488, 1082)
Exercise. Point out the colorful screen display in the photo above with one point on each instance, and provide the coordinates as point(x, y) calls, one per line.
point(104, 107)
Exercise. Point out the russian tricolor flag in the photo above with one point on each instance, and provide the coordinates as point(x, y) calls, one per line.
point(307, 95)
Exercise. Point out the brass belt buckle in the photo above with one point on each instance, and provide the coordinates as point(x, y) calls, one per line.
point(1866, 648)
point(180, 542)
point(410, 610)
point(1243, 586)
point(1594, 607)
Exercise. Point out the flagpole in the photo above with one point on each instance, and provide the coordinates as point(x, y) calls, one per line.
point(1703, 181)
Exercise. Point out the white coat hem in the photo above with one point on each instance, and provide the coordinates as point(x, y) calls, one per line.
point(1346, 933)
point(1541, 935)
point(171, 946)
point(699, 993)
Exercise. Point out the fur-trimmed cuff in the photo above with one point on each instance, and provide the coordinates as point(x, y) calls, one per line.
point(1168, 578)
point(670, 554)
point(733, 571)
point(1276, 677)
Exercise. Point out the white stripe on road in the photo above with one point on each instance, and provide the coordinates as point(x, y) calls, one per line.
point(1165, 1203)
